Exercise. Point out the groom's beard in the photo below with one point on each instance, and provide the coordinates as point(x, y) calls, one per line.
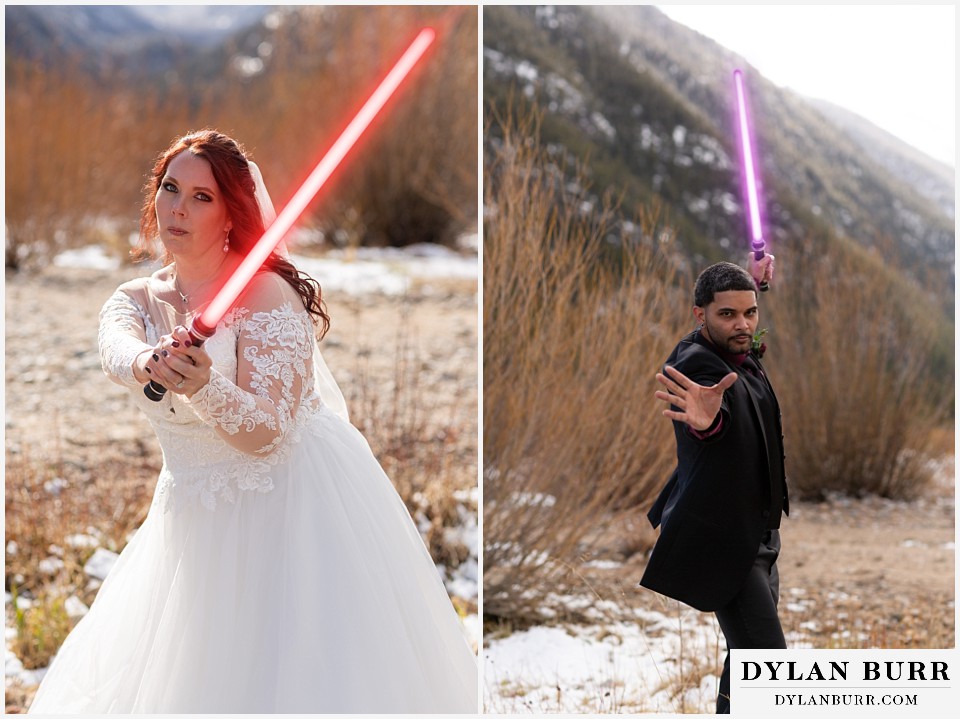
point(737, 343)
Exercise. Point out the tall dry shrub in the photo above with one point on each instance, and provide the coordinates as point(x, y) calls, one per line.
point(417, 178)
point(42, 134)
point(571, 342)
point(850, 358)
point(77, 152)
point(413, 176)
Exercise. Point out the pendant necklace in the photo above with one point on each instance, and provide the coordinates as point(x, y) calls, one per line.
point(185, 298)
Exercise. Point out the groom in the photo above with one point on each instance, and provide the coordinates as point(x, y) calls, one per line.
point(720, 510)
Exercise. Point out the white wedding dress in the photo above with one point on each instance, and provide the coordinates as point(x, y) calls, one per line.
point(277, 571)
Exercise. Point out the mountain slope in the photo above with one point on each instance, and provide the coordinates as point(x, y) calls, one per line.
point(649, 102)
point(137, 40)
point(931, 178)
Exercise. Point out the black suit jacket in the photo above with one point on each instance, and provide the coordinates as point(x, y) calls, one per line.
point(716, 506)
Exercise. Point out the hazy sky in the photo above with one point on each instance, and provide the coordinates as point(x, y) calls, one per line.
point(893, 65)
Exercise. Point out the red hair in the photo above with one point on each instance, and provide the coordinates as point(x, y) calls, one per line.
point(231, 171)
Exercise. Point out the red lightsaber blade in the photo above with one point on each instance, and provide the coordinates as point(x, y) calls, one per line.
point(750, 174)
point(204, 326)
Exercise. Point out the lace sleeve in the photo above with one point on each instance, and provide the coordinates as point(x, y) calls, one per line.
point(274, 364)
point(121, 337)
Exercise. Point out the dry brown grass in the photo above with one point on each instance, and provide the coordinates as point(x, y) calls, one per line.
point(943, 439)
point(48, 499)
point(430, 459)
point(41, 630)
point(850, 360)
point(573, 332)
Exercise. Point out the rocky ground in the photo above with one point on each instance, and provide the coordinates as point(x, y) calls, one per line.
point(866, 572)
point(405, 363)
point(873, 572)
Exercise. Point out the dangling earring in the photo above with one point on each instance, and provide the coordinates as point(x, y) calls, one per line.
point(226, 241)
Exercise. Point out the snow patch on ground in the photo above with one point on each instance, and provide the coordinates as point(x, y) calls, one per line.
point(92, 257)
point(382, 270)
point(629, 665)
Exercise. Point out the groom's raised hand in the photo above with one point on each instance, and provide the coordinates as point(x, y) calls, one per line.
point(698, 405)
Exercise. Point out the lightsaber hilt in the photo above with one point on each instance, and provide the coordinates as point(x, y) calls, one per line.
point(199, 333)
point(758, 254)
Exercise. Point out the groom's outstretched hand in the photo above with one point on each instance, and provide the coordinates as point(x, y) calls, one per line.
point(698, 405)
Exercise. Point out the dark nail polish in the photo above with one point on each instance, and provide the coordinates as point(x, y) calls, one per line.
point(175, 343)
point(189, 343)
point(156, 357)
point(148, 370)
point(165, 353)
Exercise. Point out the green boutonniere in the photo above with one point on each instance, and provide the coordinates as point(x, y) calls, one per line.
point(758, 347)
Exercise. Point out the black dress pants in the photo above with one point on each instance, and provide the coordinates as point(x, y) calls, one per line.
point(750, 620)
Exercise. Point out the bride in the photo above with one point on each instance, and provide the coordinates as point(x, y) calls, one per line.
point(277, 571)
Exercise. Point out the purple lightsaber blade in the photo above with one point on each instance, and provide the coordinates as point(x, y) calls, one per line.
point(749, 171)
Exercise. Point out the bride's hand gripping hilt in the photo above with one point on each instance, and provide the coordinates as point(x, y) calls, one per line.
point(199, 333)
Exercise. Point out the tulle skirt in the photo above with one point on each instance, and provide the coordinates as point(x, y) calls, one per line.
point(315, 597)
